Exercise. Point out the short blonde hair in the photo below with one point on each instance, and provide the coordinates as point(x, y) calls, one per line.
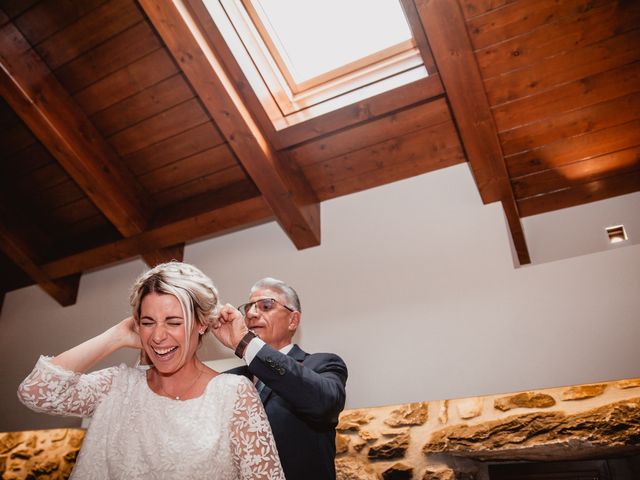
point(195, 291)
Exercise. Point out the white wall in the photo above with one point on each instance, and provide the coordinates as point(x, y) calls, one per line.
point(582, 230)
point(413, 286)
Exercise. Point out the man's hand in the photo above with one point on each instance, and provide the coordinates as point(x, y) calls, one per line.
point(231, 327)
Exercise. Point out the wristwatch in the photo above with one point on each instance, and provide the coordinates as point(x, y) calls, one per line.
point(242, 346)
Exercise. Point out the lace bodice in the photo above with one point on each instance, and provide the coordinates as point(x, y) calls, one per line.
point(137, 434)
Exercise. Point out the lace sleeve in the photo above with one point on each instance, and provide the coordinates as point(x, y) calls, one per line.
point(253, 447)
point(50, 388)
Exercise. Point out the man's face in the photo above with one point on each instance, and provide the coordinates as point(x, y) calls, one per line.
point(276, 325)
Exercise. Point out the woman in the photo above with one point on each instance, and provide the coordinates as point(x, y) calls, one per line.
point(176, 419)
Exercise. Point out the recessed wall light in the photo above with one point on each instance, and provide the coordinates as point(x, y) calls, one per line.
point(616, 234)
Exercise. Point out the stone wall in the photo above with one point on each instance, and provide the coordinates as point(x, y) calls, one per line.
point(438, 440)
point(450, 439)
point(41, 454)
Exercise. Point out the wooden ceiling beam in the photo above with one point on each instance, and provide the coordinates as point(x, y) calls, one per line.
point(34, 93)
point(223, 220)
point(419, 35)
point(63, 290)
point(15, 245)
point(58, 122)
point(281, 183)
point(445, 27)
point(456, 63)
point(172, 252)
point(510, 208)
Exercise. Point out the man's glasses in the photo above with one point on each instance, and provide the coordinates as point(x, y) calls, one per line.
point(264, 305)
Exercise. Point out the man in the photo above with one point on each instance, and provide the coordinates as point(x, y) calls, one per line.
point(302, 393)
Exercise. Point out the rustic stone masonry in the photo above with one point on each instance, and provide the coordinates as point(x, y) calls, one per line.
point(438, 440)
point(450, 439)
point(41, 454)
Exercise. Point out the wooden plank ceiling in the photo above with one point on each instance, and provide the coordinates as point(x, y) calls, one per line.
point(122, 134)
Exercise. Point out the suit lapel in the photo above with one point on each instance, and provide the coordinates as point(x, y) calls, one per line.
point(297, 353)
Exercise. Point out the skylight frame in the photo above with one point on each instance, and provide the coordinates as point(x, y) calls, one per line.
point(286, 106)
point(269, 38)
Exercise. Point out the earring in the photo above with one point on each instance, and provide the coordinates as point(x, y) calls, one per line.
point(201, 332)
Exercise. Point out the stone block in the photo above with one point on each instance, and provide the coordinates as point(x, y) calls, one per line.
point(352, 468)
point(394, 448)
point(353, 420)
point(524, 400)
point(398, 471)
point(409, 414)
point(583, 391)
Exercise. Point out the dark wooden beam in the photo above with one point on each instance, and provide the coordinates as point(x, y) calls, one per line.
point(223, 220)
point(59, 123)
point(581, 193)
point(454, 57)
point(425, 89)
point(282, 184)
point(14, 244)
point(510, 209)
point(460, 75)
point(13, 277)
point(419, 35)
point(37, 97)
point(173, 252)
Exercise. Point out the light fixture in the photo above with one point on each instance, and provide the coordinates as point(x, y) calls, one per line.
point(616, 234)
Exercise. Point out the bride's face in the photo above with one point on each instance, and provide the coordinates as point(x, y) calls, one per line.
point(163, 333)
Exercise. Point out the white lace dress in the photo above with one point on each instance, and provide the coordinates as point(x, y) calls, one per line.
point(137, 434)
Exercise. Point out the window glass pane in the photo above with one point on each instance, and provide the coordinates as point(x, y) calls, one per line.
point(317, 36)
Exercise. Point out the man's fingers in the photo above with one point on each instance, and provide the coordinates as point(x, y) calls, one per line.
point(229, 313)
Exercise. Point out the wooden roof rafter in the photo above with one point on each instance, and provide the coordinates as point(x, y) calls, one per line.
point(226, 219)
point(62, 290)
point(453, 53)
point(281, 183)
point(32, 90)
point(17, 242)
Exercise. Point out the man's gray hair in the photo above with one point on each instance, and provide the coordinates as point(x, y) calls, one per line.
point(289, 293)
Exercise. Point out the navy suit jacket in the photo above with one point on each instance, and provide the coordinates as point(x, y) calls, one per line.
point(303, 397)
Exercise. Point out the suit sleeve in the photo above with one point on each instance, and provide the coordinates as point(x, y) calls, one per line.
point(315, 389)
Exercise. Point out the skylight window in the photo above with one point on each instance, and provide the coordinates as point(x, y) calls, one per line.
point(304, 58)
point(341, 33)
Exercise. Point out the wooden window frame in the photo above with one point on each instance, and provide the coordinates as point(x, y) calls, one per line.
point(268, 76)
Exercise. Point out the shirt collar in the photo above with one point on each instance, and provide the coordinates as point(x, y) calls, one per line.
point(286, 349)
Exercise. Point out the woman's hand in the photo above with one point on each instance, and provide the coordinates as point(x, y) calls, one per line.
point(126, 334)
point(82, 357)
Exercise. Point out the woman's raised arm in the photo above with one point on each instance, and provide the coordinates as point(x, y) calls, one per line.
point(59, 385)
point(82, 357)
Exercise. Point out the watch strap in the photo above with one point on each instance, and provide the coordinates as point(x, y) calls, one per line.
point(242, 346)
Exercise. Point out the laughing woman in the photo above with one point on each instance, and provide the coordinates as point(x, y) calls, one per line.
point(177, 419)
